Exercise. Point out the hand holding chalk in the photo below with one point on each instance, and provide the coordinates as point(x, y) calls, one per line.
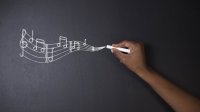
point(135, 60)
point(119, 48)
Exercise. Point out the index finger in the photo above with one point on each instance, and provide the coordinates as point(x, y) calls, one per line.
point(124, 43)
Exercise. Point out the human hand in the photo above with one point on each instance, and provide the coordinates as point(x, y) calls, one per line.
point(135, 60)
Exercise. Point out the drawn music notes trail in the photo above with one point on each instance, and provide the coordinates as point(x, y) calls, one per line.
point(38, 51)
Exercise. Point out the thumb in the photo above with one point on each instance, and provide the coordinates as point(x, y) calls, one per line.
point(121, 56)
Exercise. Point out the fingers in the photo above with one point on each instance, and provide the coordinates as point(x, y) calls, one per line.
point(133, 60)
point(121, 56)
point(127, 44)
point(124, 43)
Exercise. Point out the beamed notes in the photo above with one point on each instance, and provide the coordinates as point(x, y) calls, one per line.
point(37, 50)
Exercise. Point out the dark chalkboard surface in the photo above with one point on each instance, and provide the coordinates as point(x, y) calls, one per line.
point(96, 81)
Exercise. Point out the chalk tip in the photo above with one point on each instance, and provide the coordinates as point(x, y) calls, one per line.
point(109, 47)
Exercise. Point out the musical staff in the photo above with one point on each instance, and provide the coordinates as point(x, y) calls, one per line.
point(38, 51)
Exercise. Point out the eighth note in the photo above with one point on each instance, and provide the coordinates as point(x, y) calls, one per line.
point(38, 51)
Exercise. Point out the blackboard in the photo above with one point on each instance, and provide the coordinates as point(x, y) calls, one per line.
point(96, 81)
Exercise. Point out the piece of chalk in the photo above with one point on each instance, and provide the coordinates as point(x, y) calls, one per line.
point(120, 49)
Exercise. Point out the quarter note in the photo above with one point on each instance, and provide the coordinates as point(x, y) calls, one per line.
point(84, 42)
point(48, 54)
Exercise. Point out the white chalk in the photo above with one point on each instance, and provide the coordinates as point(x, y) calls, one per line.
point(120, 49)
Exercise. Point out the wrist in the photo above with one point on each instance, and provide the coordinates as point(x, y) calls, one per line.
point(141, 71)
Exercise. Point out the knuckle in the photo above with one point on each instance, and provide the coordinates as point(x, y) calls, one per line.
point(125, 41)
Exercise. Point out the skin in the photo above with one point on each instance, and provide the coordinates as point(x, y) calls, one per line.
point(177, 98)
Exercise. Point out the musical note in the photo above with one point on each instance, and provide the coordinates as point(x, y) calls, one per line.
point(71, 45)
point(39, 43)
point(50, 54)
point(78, 45)
point(62, 42)
point(84, 42)
point(38, 51)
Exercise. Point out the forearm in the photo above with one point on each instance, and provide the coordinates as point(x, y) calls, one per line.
point(178, 99)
